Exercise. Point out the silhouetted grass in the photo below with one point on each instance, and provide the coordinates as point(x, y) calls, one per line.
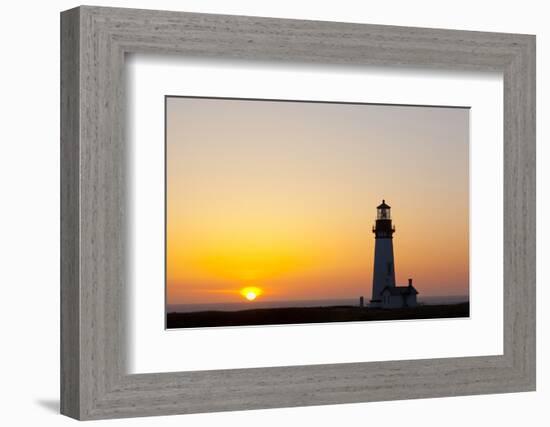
point(293, 315)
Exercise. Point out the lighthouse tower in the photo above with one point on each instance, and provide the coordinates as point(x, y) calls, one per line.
point(384, 267)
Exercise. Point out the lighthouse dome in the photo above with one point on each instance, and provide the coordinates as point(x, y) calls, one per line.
point(383, 205)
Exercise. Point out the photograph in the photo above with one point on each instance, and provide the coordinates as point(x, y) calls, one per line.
point(296, 212)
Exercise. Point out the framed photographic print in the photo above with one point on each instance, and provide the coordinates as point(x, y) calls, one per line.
point(262, 213)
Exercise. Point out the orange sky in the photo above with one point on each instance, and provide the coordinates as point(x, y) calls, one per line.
point(282, 196)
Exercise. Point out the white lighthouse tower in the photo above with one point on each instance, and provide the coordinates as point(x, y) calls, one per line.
point(384, 267)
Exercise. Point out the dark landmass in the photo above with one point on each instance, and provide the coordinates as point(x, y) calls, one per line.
point(293, 315)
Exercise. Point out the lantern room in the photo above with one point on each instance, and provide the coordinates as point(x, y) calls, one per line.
point(383, 211)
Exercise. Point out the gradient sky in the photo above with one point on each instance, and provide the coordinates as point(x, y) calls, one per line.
point(283, 196)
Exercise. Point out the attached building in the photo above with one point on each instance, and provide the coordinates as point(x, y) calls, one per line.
point(398, 296)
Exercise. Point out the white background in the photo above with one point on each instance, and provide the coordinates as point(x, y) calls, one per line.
point(29, 238)
point(152, 349)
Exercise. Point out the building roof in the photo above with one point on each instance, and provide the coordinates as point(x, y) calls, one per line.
point(400, 290)
point(383, 205)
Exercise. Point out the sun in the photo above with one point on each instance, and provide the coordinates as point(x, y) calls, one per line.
point(251, 292)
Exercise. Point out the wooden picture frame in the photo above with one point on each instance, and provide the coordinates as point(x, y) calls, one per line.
point(94, 382)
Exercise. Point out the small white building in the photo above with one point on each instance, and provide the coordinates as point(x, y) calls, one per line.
point(398, 296)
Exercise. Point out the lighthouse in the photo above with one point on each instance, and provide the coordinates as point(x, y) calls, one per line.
point(385, 294)
point(384, 267)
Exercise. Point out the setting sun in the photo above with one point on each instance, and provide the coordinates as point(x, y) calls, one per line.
point(251, 293)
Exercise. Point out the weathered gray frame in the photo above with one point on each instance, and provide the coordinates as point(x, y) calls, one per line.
point(94, 41)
